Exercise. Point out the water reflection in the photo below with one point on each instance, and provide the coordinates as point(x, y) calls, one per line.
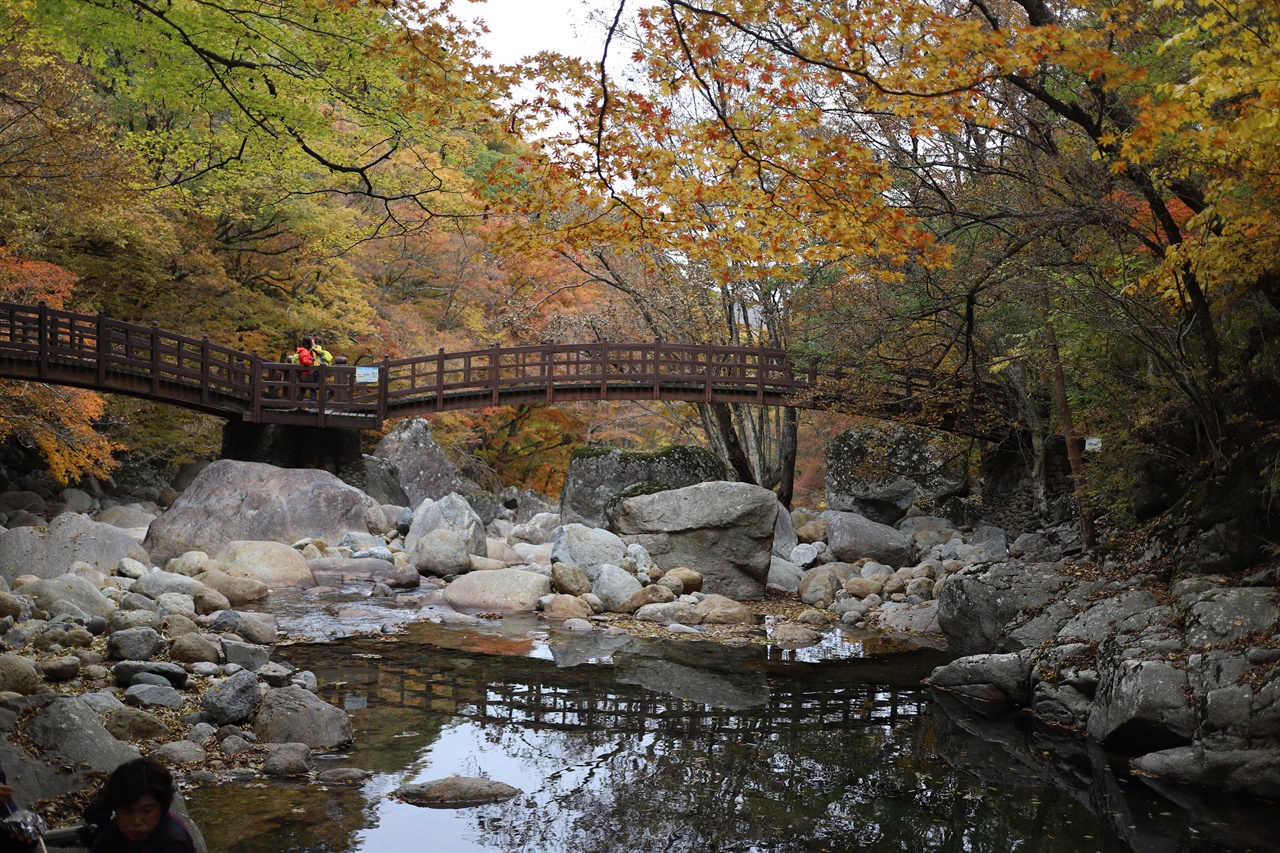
point(623, 744)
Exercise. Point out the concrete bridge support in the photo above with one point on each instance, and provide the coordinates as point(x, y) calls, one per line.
point(335, 450)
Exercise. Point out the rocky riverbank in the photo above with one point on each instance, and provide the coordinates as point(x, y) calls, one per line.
point(135, 627)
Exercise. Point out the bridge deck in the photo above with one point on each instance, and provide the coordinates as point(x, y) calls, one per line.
point(102, 354)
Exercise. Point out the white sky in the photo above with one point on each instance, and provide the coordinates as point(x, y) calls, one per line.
point(520, 28)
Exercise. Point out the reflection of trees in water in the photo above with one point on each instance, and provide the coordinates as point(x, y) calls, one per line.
point(835, 761)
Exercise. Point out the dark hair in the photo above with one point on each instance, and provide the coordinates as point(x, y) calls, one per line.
point(308, 341)
point(135, 779)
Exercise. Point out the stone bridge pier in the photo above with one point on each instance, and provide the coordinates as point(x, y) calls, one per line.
point(286, 446)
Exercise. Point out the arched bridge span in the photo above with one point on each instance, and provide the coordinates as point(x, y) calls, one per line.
point(99, 353)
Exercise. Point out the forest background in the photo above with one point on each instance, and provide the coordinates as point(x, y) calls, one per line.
point(1015, 219)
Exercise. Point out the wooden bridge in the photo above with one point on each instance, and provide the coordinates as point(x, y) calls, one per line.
point(102, 354)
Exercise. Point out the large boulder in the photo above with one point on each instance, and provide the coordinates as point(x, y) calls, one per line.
point(332, 571)
point(382, 481)
point(978, 604)
point(69, 539)
point(879, 470)
point(296, 715)
point(498, 591)
point(724, 529)
point(588, 548)
point(851, 537)
point(273, 563)
point(451, 512)
point(597, 477)
point(247, 501)
point(423, 470)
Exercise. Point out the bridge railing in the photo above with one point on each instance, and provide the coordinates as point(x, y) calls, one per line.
point(121, 354)
point(612, 368)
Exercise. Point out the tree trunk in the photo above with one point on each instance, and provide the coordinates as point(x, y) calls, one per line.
point(788, 442)
point(1087, 533)
point(733, 447)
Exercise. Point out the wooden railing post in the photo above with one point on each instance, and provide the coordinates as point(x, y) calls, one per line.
point(42, 342)
point(255, 386)
point(205, 369)
point(384, 390)
point(549, 370)
point(155, 359)
point(440, 380)
point(321, 384)
point(761, 361)
point(707, 392)
point(657, 370)
point(604, 370)
point(103, 348)
point(495, 362)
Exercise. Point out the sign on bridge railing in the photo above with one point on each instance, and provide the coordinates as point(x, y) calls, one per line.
point(367, 375)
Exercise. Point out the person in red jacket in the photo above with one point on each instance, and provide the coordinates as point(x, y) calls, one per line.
point(140, 793)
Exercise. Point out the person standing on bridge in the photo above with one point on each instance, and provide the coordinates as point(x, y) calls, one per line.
point(305, 356)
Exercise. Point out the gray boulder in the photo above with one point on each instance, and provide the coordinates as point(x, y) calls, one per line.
point(440, 553)
point(289, 760)
point(978, 603)
point(69, 589)
point(17, 675)
point(273, 563)
point(588, 548)
point(294, 715)
point(784, 574)
point(126, 671)
point(850, 537)
point(724, 529)
point(614, 586)
point(68, 539)
point(135, 644)
point(991, 684)
point(152, 696)
point(247, 501)
point(451, 512)
point(424, 471)
point(233, 699)
point(1251, 772)
point(382, 481)
point(72, 732)
point(456, 792)
point(879, 471)
point(1141, 706)
point(498, 591)
point(596, 478)
point(156, 584)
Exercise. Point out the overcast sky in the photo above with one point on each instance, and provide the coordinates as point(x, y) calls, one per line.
point(520, 28)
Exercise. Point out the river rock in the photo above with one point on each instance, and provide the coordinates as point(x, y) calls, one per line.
point(18, 675)
point(440, 553)
point(569, 579)
point(852, 537)
point(615, 586)
point(1251, 772)
point(126, 517)
point(498, 591)
point(719, 610)
point(273, 563)
point(156, 584)
point(793, 634)
point(233, 699)
point(725, 529)
point(909, 618)
point(134, 724)
point(49, 594)
point(382, 482)
point(588, 548)
point(451, 512)
point(126, 671)
point(232, 501)
point(294, 715)
point(135, 644)
point(235, 589)
point(71, 732)
point(289, 760)
point(65, 668)
point(180, 753)
point(152, 696)
point(818, 587)
point(248, 655)
point(538, 530)
point(784, 574)
point(424, 471)
point(193, 648)
point(651, 594)
point(689, 579)
point(992, 684)
point(880, 470)
point(456, 792)
point(68, 539)
point(562, 606)
point(681, 612)
point(596, 478)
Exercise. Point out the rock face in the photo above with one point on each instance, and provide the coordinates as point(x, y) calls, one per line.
point(69, 539)
point(423, 469)
point(879, 470)
point(595, 478)
point(230, 501)
point(1186, 686)
point(724, 530)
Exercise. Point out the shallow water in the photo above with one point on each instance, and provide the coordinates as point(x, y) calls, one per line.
point(647, 745)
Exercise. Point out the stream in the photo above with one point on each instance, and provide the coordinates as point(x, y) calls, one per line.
point(619, 743)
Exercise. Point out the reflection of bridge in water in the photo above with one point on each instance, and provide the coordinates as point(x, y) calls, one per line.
point(103, 354)
point(692, 688)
